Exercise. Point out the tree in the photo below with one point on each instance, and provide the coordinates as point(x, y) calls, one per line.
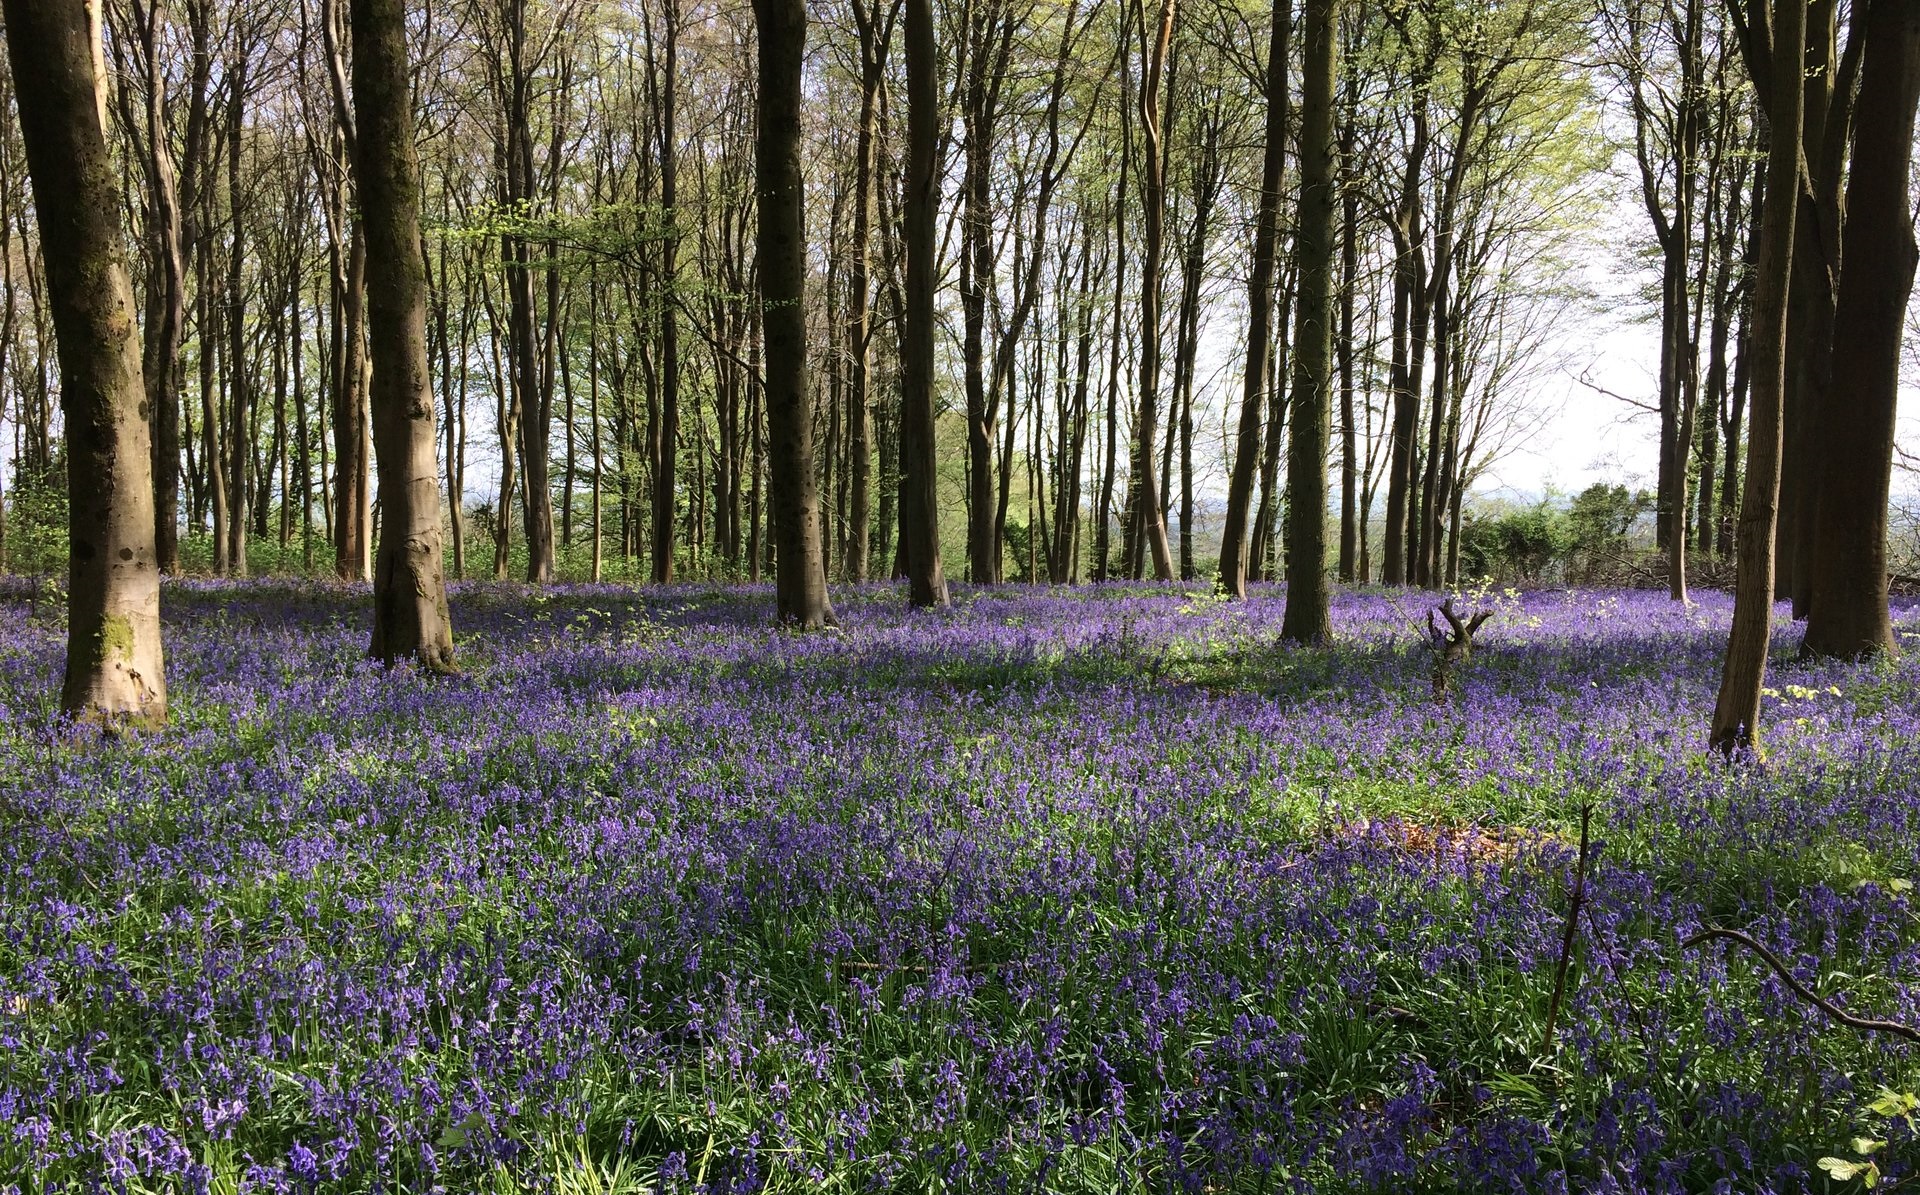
point(1847, 615)
point(800, 579)
point(1146, 527)
point(1306, 618)
point(410, 618)
point(114, 670)
point(1773, 55)
point(1253, 390)
point(919, 513)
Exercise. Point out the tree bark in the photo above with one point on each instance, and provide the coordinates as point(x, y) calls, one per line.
point(410, 618)
point(1253, 381)
point(163, 333)
point(1847, 615)
point(1306, 619)
point(1146, 520)
point(800, 578)
point(240, 437)
point(919, 509)
point(1736, 714)
point(114, 670)
point(665, 483)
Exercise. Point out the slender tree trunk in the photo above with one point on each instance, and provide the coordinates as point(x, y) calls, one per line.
point(860, 292)
point(213, 455)
point(1306, 618)
point(800, 581)
point(1343, 347)
point(1145, 507)
point(1736, 714)
point(919, 507)
point(1253, 386)
point(593, 414)
point(240, 439)
point(666, 467)
point(1409, 344)
point(1848, 615)
point(114, 670)
point(1103, 514)
point(352, 535)
point(163, 334)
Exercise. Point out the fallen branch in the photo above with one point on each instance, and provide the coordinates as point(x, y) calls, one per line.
point(1799, 989)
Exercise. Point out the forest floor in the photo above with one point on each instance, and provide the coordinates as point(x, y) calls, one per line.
point(1095, 890)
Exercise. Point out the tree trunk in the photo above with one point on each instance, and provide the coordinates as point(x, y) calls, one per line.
point(919, 509)
point(800, 580)
point(1736, 714)
point(873, 50)
point(410, 618)
point(665, 479)
point(1306, 618)
point(1848, 616)
point(1253, 381)
point(1145, 508)
point(163, 333)
point(1409, 346)
point(1343, 344)
point(240, 438)
point(114, 672)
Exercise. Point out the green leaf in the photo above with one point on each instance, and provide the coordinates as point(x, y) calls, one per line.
point(1844, 1171)
point(1867, 1145)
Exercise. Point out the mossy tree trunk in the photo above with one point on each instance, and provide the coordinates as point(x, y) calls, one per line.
point(114, 661)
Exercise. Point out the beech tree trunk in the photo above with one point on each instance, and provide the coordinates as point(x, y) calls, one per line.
point(875, 32)
point(666, 465)
point(1144, 512)
point(168, 315)
point(114, 672)
point(800, 574)
point(410, 618)
point(1847, 615)
point(1253, 382)
point(919, 508)
point(1306, 618)
point(1736, 713)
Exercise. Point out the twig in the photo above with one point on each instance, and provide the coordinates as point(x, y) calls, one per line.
point(1567, 934)
point(1801, 990)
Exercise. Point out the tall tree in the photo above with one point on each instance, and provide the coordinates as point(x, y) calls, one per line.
point(1847, 615)
point(1145, 520)
point(410, 616)
point(1306, 618)
point(1774, 40)
point(876, 33)
point(663, 75)
point(800, 580)
point(1253, 389)
point(114, 670)
point(919, 509)
point(166, 314)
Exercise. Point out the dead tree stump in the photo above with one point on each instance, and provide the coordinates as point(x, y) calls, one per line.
point(1453, 646)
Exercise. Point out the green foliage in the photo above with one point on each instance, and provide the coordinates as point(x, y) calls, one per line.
point(36, 543)
point(1546, 541)
point(1521, 545)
